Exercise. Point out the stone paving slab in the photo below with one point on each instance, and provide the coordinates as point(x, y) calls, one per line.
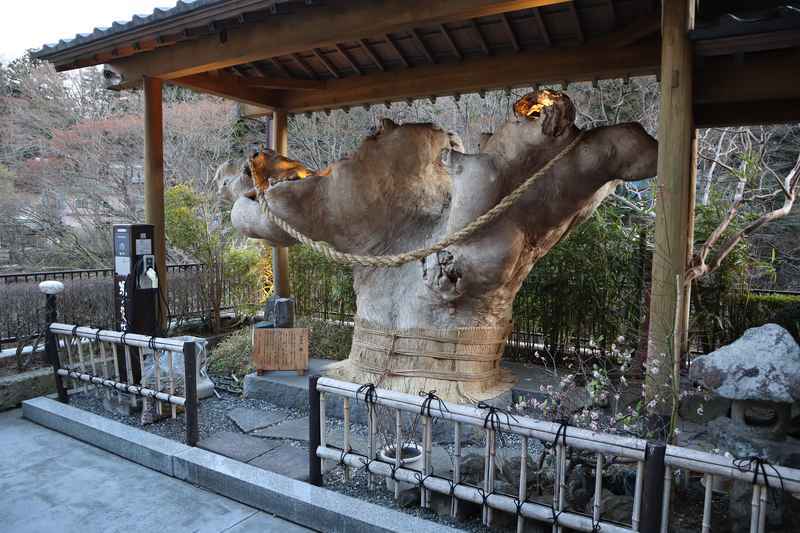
point(236, 445)
point(263, 522)
point(286, 460)
point(295, 429)
point(52, 482)
point(248, 419)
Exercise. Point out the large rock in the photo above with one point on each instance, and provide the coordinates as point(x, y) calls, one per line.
point(764, 364)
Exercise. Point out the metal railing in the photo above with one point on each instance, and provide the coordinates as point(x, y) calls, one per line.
point(87, 273)
point(656, 464)
point(95, 359)
point(89, 298)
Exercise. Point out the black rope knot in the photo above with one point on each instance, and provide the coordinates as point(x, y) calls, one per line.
point(151, 343)
point(561, 433)
point(758, 466)
point(75, 330)
point(518, 504)
point(431, 397)
point(422, 479)
point(493, 419)
point(97, 335)
point(370, 394)
point(484, 495)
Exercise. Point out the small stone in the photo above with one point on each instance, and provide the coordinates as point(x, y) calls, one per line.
point(295, 429)
point(236, 446)
point(248, 419)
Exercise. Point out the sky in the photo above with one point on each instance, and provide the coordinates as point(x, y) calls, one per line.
point(28, 24)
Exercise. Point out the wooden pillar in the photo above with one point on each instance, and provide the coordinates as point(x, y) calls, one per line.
point(154, 183)
point(669, 303)
point(280, 254)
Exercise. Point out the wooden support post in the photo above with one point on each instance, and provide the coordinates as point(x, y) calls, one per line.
point(674, 203)
point(154, 184)
point(280, 254)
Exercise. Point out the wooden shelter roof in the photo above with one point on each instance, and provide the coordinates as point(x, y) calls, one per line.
point(312, 55)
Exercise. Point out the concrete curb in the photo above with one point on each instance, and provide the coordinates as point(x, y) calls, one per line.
point(131, 443)
point(304, 504)
point(307, 505)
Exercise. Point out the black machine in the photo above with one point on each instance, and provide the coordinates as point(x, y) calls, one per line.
point(136, 291)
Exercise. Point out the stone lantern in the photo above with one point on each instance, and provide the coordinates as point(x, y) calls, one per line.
point(760, 373)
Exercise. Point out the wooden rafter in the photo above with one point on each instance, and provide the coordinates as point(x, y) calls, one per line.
point(327, 62)
point(304, 66)
point(542, 28)
point(280, 67)
point(231, 87)
point(349, 59)
point(422, 46)
point(397, 51)
point(239, 71)
point(612, 11)
point(451, 42)
point(260, 70)
point(315, 27)
point(476, 29)
point(512, 35)
point(576, 17)
point(372, 55)
point(470, 75)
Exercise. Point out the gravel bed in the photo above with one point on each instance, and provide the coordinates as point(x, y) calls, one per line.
point(212, 416)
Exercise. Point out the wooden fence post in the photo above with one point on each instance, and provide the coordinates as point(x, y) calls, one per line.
point(314, 433)
point(190, 381)
point(653, 487)
point(51, 289)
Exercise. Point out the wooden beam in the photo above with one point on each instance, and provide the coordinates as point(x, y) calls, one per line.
point(287, 83)
point(542, 28)
point(479, 35)
point(305, 67)
point(512, 35)
point(280, 67)
point(669, 300)
point(517, 70)
point(336, 21)
point(752, 113)
point(759, 77)
point(154, 182)
point(372, 55)
point(349, 59)
point(451, 42)
point(421, 45)
point(231, 87)
point(577, 19)
point(397, 51)
point(327, 62)
point(259, 68)
point(280, 254)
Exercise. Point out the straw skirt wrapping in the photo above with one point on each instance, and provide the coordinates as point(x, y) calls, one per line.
point(461, 364)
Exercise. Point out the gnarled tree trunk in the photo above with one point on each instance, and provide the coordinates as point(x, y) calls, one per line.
point(440, 323)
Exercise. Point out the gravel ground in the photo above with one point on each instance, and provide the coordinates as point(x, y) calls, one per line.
point(211, 419)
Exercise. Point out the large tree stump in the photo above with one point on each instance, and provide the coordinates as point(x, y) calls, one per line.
point(440, 323)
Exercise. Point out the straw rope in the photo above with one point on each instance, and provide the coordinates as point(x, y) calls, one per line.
point(400, 259)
